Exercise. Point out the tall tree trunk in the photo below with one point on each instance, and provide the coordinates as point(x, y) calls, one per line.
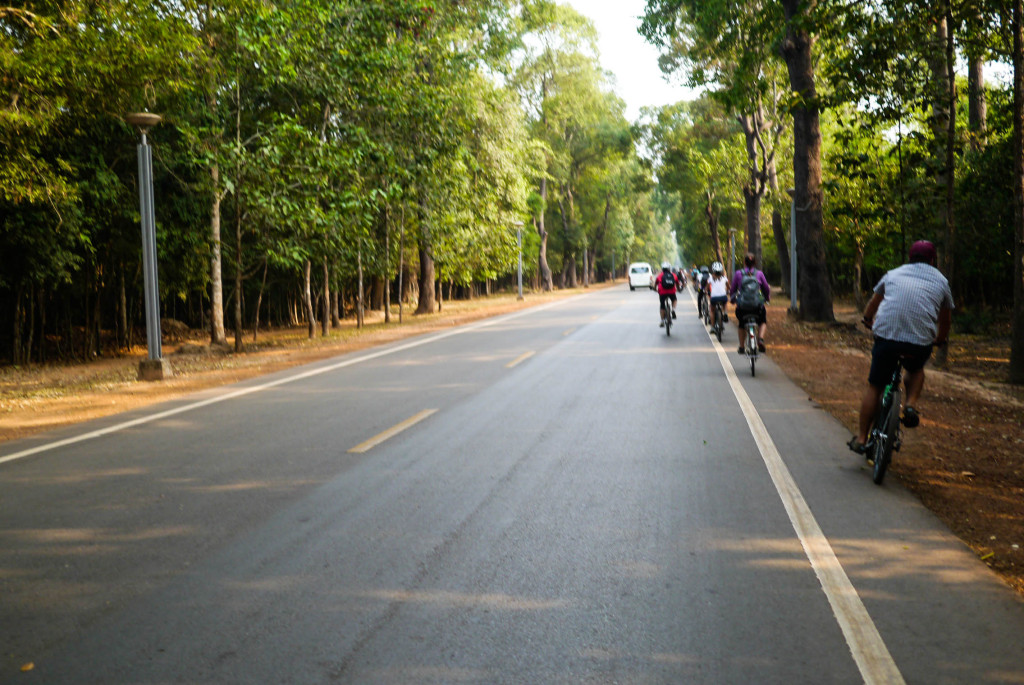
point(387, 268)
point(944, 118)
point(239, 303)
point(307, 297)
point(361, 293)
point(712, 217)
point(569, 254)
point(752, 199)
point(401, 267)
point(259, 303)
point(602, 229)
point(325, 324)
point(977, 106)
point(217, 334)
point(41, 298)
point(335, 306)
point(427, 302)
point(543, 268)
point(239, 343)
point(814, 286)
point(96, 332)
point(858, 277)
point(1017, 341)
point(782, 248)
point(19, 320)
point(757, 182)
point(122, 309)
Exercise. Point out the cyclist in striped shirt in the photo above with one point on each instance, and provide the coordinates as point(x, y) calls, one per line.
point(909, 314)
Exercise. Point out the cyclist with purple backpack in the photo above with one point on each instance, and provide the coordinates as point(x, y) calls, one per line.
point(749, 292)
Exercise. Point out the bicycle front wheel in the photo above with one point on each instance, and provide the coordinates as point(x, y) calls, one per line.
point(888, 432)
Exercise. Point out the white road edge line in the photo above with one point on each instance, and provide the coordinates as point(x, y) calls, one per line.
point(281, 381)
point(520, 359)
point(367, 445)
point(869, 651)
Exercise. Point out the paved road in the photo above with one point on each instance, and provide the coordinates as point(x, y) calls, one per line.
point(574, 498)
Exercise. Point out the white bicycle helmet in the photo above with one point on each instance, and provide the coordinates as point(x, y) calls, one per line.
point(665, 266)
point(717, 268)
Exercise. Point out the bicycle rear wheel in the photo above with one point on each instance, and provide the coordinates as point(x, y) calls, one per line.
point(666, 313)
point(888, 432)
point(751, 347)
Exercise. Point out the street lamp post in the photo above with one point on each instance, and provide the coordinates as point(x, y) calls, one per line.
point(154, 367)
point(519, 243)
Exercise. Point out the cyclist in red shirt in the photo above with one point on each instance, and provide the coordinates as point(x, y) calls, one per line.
point(666, 285)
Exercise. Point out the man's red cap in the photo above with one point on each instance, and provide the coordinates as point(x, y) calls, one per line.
point(923, 250)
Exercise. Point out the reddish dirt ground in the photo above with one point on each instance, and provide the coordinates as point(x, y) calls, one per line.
point(964, 461)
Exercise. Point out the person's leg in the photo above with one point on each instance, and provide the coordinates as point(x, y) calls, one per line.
point(762, 328)
point(914, 381)
point(868, 409)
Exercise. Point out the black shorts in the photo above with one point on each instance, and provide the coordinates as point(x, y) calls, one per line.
point(721, 299)
point(662, 298)
point(885, 353)
point(761, 313)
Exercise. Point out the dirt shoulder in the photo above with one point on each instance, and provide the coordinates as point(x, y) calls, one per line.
point(964, 461)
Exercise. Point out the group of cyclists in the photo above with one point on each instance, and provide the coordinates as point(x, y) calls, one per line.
point(748, 290)
point(909, 314)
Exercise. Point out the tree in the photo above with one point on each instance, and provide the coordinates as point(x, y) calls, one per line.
point(566, 41)
point(700, 158)
point(725, 47)
point(1017, 345)
point(814, 286)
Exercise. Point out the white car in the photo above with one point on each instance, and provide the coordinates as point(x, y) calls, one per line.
point(641, 275)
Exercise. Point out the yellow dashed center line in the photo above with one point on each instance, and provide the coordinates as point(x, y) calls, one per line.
point(391, 432)
point(520, 359)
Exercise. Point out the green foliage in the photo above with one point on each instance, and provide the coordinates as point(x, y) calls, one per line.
point(320, 130)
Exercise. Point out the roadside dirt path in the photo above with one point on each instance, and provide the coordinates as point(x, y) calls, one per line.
point(964, 461)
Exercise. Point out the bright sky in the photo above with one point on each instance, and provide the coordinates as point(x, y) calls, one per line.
point(629, 56)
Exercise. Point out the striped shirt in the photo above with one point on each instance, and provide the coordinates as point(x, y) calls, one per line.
point(914, 294)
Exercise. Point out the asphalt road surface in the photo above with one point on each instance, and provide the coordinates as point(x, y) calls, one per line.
point(562, 495)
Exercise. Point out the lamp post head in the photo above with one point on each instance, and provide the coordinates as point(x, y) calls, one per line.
point(143, 120)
